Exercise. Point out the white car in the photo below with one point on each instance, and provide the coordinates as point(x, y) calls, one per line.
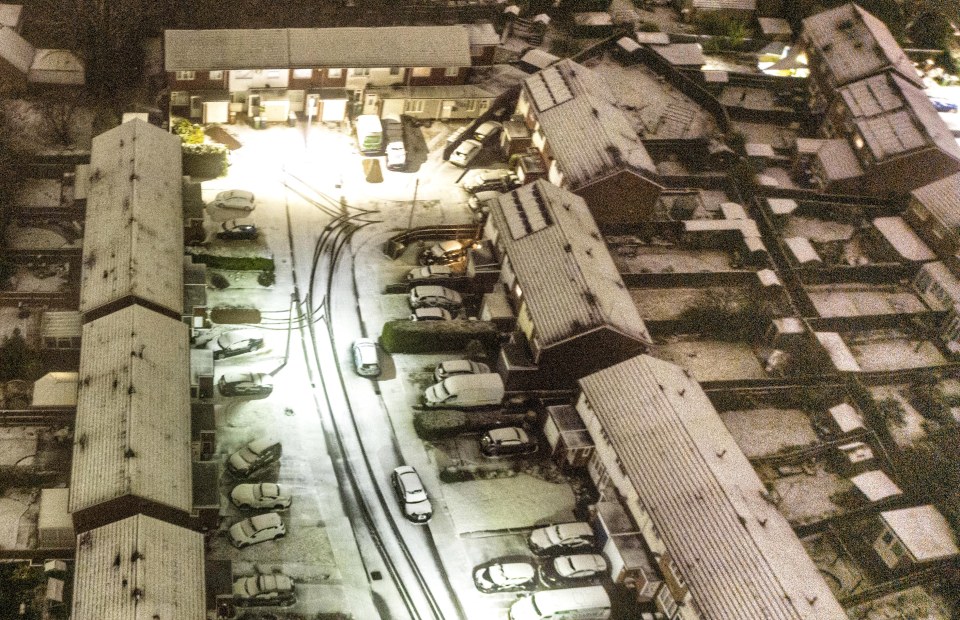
point(366, 361)
point(431, 314)
point(237, 342)
point(432, 296)
point(245, 384)
point(491, 180)
point(411, 494)
point(465, 153)
point(555, 539)
point(396, 156)
point(505, 577)
point(262, 495)
point(487, 130)
point(569, 568)
point(273, 589)
point(430, 272)
point(235, 199)
point(450, 368)
point(257, 529)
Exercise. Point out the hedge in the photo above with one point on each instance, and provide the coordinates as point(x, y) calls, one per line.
point(405, 336)
point(205, 161)
point(447, 423)
point(235, 263)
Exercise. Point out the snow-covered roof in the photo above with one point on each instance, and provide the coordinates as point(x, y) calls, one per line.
point(588, 135)
point(133, 238)
point(942, 199)
point(55, 389)
point(539, 58)
point(15, 50)
point(904, 240)
point(737, 553)
point(53, 509)
point(747, 227)
point(60, 324)
point(482, 34)
point(592, 18)
point(939, 272)
point(10, 15)
point(875, 485)
point(769, 277)
point(802, 250)
point(923, 531)
point(139, 568)
point(132, 434)
point(835, 156)
point(682, 54)
point(840, 354)
point(772, 26)
point(782, 206)
point(854, 44)
point(393, 46)
point(570, 283)
point(652, 38)
point(57, 67)
point(846, 417)
point(725, 5)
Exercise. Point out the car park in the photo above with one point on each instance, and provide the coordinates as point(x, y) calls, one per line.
point(431, 314)
point(491, 180)
point(253, 457)
point(579, 567)
point(411, 494)
point(366, 360)
point(430, 272)
point(238, 232)
point(444, 253)
point(505, 577)
point(257, 529)
point(237, 342)
point(509, 441)
point(450, 368)
point(562, 537)
point(245, 384)
point(234, 199)
point(465, 153)
point(262, 495)
point(261, 590)
point(487, 131)
point(432, 296)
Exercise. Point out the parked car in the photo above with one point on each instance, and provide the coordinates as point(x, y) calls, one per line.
point(943, 105)
point(396, 155)
point(257, 529)
point(491, 180)
point(465, 153)
point(487, 131)
point(366, 360)
point(588, 603)
point(444, 253)
point(237, 232)
point(262, 495)
point(572, 568)
point(431, 296)
point(507, 441)
point(237, 342)
point(245, 384)
point(430, 272)
point(235, 199)
point(411, 494)
point(261, 590)
point(253, 457)
point(431, 314)
point(450, 368)
point(555, 539)
point(465, 391)
point(505, 577)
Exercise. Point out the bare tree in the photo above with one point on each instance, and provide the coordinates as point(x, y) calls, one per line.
point(58, 111)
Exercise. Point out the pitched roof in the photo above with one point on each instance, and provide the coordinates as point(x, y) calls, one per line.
point(394, 46)
point(16, 50)
point(923, 531)
point(482, 34)
point(587, 133)
point(569, 281)
point(133, 240)
point(163, 563)
point(903, 239)
point(739, 556)
point(855, 44)
point(725, 5)
point(57, 67)
point(133, 411)
point(682, 54)
point(942, 199)
point(10, 15)
point(835, 156)
point(774, 26)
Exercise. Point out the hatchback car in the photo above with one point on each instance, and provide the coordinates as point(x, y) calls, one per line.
point(261, 590)
point(556, 539)
point(444, 253)
point(942, 105)
point(572, 568)
point(251, 458)
point(245, 384)
point(487, 131)
point(431, 296)
point(491, 180)
point(238, 232)
point(238, 342)
point(366, 361)
point(431, 314)
point(411, 494)
point(465, 153)
point(257, 529)
point(430, 272)
point(506, 442)
point(450, 368)
point(262, 495)
point(234, 199)
point(505, 577)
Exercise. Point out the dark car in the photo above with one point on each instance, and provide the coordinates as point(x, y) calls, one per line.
point(942, 105)
point(238, 342)
point(238, 232)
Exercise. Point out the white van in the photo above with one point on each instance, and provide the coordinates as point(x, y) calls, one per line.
point(590, 603)
point(465, 391)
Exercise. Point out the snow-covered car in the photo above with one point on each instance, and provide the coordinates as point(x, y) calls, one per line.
point(234, 199)
point(555, 539)
point(245, 384)
point(261, 495)
point(238, 232)
point(444, 253)
point(479, 203)
point(572, 568)
point(237, 342)
point(487, 131)
point(465, 153)
point(396, 156)
point(450, 368)
point(257, 529)
point(432, 296)
point(411, 494)
point(431, 314)
point(251, 458)
point(366, 360)
point(505, 577)
point(261, 590)
point(491, 180)
point(509, 441)
point(430, 272)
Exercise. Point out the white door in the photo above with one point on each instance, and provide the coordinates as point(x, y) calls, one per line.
point(446, 110)
point(371, 104)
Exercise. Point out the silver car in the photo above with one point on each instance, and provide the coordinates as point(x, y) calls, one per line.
point(432, 296)
point(260, 590)
point(465, 153)
point(572, 568)
point(411, 494)
point(450, 368)
point(366, 361)
point(257, 529)
point(235, 199)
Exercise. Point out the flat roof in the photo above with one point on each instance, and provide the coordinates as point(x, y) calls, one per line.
point(902, 237)
point(139, 568)
point(923, 531)
point(132, 433)
point(737, 553)
point(942, 199)
point(133, 238)
point(840, 354)
point(875, 485)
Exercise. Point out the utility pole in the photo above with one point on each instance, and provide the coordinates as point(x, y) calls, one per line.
point(413, 205)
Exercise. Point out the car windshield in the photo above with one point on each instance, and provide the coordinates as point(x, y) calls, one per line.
point(247, 528)
point(442, 391)
point(564, 566)
point(266, 490)
point(247, 454)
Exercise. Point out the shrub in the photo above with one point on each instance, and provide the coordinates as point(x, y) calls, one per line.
point(205, 161)
point(404, 336)
point(267, 278)
point(18, 360)
point(432, 424)
point(235, 263)
point(219, 281)
point(188, 132)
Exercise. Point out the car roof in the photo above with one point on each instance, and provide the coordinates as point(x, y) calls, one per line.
point(259, 445)
point(450, 246)
point(236, 335)
point(268, 519)
point(432, 290)
point(489, 124)
point(568, 530)
point(456, 364)
point(469, 145)
point(235, 193)
point(508, 433)
point(517, 570)
point(583, 561)
point(365, 342)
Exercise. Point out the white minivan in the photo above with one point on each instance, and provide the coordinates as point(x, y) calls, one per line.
point(465, 391)
point(589, 603)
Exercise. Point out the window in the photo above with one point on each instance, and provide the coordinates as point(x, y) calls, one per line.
point(887, 538)
point(394, 70)
point(179, 98)
point(245, 74)
point(185, 75)
point(919, 212)
point(897, 549)
point(303, 74)
point(413, 105)
point(216, 75)
point(470, 105)
point(334, 73)
point(273, 74)
point(452, 72)
point(421, 72)
point(363, 72)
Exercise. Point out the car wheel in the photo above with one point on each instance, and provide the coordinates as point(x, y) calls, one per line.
point(244, 506)
point(279, 507)
point(243, 545)
point(281, 535)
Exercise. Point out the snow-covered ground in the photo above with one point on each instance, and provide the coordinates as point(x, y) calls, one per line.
point(762, 432)
point(507, 503)
point(807, 497)
point(892, 350)
point(854, 299)
point(711, 360)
